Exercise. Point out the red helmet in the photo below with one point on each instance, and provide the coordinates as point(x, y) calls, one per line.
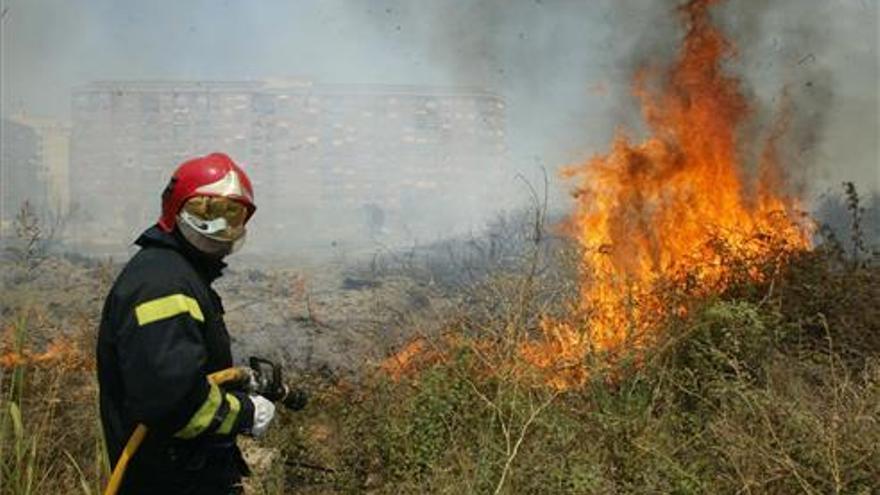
point(211, 175)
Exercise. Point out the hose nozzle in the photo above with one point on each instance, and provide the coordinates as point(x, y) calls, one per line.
point(266, 380)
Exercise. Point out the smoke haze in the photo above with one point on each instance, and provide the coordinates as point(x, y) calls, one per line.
point(563, 67)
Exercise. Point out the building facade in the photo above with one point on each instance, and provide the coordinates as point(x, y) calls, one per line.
point(33, 169)
point(330, 163)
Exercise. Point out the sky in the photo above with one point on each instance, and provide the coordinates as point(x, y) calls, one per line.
point(563, 66)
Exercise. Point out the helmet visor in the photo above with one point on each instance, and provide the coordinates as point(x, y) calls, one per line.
point(215, 217)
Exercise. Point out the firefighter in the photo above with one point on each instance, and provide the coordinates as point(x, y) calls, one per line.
point(162, 333)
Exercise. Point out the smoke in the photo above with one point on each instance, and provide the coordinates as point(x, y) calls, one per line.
point(563, 66)
point(813, 68)
point(566, 68)
point(777, 48)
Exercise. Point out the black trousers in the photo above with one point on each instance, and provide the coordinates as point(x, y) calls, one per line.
point(186, 470)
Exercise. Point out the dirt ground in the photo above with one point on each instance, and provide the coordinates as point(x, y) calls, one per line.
point(325, 318)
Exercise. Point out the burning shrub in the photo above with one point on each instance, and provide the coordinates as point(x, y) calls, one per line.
point(679, 207)
point(725, 402)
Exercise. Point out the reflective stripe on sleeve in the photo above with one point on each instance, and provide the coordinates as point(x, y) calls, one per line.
point(202, 419)
point(167, 307)
point(229, 420)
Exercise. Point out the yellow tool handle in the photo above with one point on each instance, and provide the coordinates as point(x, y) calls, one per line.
point(134, 442)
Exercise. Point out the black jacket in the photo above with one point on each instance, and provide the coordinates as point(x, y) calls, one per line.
point(161, 334)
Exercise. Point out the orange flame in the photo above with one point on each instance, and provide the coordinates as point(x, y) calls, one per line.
point(61, 353)
point(675, 207)
point(405, 360)
point(422, 352)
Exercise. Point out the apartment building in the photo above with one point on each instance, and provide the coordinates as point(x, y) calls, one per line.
point(330, 163)
point(33, 168)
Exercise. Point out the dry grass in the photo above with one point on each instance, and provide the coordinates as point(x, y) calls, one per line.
point(49, 431)
point(770, 387)
point(742, 397)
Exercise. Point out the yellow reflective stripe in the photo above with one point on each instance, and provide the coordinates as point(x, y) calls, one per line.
point(201, 420)
point(166, 307)
point(229, 420)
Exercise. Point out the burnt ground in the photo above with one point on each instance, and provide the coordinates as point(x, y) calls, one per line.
point(325, 318)
point(330, 318)
point(334, 316)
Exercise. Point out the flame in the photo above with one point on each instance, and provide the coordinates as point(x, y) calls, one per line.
point(61, 353)
point(422, 352)
point(678, 206)
point(405, 360)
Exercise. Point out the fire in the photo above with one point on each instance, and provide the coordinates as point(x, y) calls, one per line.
point(399, 364)
point(61, 353)
point(676, 207)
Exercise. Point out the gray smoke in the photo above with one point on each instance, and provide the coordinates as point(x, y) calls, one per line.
point(564, 66)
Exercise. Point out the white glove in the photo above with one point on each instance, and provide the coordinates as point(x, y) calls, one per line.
point(264, 411)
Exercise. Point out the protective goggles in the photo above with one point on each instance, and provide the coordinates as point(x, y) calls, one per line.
point(215, 217)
